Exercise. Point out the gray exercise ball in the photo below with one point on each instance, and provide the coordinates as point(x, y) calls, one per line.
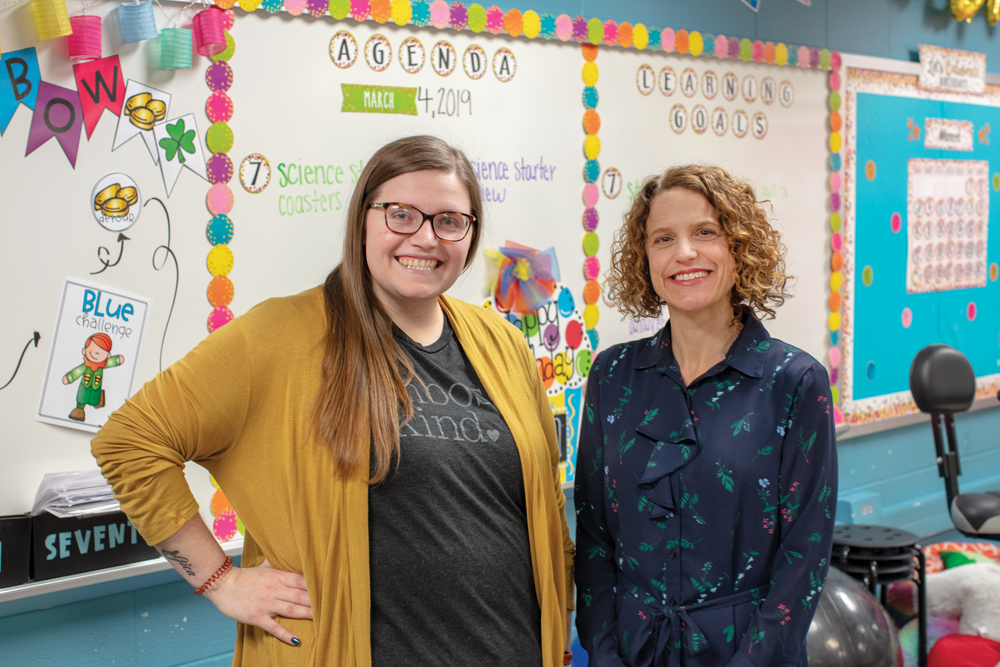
point(851, 628)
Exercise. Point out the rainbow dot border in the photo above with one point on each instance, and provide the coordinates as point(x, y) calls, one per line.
point(534, 25)
point(591, 194)
point(221, 314)
point(835, 302)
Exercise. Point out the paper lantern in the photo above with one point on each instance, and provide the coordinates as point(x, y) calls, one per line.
point(51, 18)
point(175, 48)
point(209, 33)
point(85, 42)
point(138, 22)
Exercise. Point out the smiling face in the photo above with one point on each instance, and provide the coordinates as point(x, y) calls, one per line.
point(411, 272)
point(94, 353)
point(690, 264)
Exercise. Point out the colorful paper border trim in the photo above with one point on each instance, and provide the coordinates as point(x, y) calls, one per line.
point(219, 200)
point(591, 192)
point(835, 301)
point(533, 25)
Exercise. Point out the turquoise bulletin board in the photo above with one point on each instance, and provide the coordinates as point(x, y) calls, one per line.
point(920, 240)
point(562, 117)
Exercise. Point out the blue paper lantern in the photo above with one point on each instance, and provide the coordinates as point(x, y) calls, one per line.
point(138, 22)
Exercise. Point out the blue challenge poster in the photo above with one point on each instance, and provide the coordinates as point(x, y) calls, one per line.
point(883, 346)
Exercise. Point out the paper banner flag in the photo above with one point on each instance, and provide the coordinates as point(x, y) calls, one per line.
point(527, 277)
point(145, 106)
point(19, 79)
point(57, 114)
point(179, 145)
point(101, 86)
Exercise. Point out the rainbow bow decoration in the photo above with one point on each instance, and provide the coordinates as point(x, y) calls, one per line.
point(526, 277)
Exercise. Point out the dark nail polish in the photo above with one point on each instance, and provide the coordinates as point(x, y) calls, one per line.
point(295, 641)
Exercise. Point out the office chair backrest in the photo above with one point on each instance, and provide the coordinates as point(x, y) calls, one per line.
point(942, 380)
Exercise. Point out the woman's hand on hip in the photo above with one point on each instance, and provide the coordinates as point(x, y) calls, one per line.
point(257, 595)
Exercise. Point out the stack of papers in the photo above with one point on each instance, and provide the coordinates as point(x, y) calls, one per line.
point(68, 494)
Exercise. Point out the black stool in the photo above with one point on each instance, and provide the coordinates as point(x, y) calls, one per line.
point(879, 556)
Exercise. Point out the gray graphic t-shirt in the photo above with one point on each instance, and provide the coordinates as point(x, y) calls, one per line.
point(451, 578)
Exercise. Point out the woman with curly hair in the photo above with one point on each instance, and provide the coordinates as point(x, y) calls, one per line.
point(707, 472)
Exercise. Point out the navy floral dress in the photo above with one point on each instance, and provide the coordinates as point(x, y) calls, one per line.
point(704, 513)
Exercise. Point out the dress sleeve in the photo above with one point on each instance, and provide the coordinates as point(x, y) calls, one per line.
point(192, 411)
point(808, 492)
point(596, 616)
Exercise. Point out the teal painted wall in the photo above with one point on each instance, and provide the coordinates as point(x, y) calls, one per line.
point(896, 472)
point(160, 626)
point(162, 623)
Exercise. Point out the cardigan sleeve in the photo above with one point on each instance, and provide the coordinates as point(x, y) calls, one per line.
point(192, 411)
point(596, 616)
point(777, 632)
point(544, 410)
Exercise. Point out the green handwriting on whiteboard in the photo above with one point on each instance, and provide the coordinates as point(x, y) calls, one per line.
point(763, 191)
point(772, 192)
point(633, 188)
point(379, 99)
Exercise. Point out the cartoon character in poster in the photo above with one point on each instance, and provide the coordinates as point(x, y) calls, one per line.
point(96, 357)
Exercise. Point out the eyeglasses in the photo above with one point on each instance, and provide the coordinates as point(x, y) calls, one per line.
point(406, 220)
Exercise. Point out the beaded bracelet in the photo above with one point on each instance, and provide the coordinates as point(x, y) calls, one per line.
point(218, 573)
point(567, 657)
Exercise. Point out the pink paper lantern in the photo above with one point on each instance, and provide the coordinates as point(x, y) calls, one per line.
point(85, 42)
point(209, 34)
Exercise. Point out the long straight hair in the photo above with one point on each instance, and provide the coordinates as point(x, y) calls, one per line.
point(365, 372)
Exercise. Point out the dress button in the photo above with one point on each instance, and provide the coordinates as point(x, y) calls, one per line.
point(673, 553)
point(673, 601)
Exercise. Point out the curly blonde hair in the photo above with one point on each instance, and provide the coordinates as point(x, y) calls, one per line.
point(756, 246)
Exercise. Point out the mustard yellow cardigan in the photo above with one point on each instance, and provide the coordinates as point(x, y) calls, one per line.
point(240, 405)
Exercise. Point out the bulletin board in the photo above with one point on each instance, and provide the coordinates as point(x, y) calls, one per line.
point(562, 118)
point(919, 242)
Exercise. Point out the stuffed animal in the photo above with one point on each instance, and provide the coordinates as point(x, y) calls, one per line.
point(963, 607)
point(971, 594)
point(909, 639)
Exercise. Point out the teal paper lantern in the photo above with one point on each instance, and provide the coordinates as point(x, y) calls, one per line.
point(175, 48)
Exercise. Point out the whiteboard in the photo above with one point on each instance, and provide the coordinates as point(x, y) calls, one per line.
point(786, 166)
point(288, 98)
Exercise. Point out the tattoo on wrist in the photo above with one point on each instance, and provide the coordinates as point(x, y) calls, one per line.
point(176, 557)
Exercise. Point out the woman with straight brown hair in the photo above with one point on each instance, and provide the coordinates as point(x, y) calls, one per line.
point(390, 451)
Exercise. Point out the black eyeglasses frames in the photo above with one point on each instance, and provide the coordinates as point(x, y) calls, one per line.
point(407, 220)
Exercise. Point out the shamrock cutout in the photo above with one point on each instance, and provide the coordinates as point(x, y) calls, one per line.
point(180, 142)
